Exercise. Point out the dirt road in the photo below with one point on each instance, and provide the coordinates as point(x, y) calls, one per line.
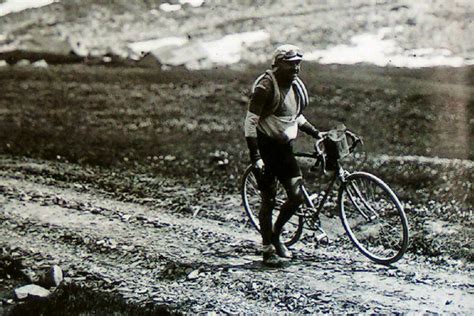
point(202, 256)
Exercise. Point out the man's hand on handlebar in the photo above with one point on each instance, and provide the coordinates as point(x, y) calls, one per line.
point(319, 135)
point(355, 138)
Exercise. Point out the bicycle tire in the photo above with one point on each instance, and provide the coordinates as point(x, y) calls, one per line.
point(251, 200)
point(373, 218)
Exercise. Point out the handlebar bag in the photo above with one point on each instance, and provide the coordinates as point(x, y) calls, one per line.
point(336, 147)
point(339, 138)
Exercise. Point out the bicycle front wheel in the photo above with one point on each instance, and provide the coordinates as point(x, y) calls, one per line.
point(252, 200)
point(373, 217)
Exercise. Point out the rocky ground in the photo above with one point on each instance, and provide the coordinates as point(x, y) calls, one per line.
point(200, 257)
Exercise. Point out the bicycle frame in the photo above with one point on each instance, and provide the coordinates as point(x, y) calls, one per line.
point(312, 217)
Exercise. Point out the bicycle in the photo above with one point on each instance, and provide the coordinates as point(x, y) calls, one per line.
point(370, 211)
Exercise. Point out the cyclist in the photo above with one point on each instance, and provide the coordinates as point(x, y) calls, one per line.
point(273, 118)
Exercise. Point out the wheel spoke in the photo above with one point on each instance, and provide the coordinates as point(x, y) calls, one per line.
point(357, 199)
point(253, 191)
point(374, 218)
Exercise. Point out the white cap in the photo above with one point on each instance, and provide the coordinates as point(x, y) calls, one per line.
point(287, 52)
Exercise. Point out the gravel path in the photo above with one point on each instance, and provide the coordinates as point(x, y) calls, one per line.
point(206, 260)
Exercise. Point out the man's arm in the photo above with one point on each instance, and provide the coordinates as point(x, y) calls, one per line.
point(307, 127)
point(251, 122)
point(257, 103)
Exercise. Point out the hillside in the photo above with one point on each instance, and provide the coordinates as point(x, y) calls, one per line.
point(100, 28)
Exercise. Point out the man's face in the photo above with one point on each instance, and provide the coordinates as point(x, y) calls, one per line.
point(289, 69)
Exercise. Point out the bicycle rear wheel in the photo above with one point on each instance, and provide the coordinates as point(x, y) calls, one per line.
point(373, 217)
point(252, 200)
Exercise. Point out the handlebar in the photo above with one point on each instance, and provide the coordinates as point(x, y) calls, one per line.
point(324, 135)
point(320, 157)
point(317, 145)
point(356, 140)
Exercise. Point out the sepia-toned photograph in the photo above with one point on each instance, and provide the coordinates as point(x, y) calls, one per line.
point(213, 157)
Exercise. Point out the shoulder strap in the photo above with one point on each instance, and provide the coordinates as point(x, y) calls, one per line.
point(276, 91)
point(255, 84)
point(299, 87)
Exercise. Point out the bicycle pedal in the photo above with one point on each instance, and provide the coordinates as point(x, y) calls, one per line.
point(373, 217)
point(322, 238)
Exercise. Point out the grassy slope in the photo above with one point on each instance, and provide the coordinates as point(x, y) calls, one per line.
point(138, 117)
point(143, 121)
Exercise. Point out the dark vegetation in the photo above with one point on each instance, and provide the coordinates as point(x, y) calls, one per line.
point(165, 121)
point(73, 299)
point(67, 299)
point(51, 58)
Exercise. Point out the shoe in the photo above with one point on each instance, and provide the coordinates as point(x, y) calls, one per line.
point(270, 258)
point(281, 250)
point(273, 261)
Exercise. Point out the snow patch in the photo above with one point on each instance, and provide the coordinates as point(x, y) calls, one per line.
point(168, 7)
point(224, 51)
point(228, 50)
point(11, 6)
point(139, 49)
point(377, 50)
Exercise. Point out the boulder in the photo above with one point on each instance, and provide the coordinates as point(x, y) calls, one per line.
point(40, 64)
point(53, 277)
point(31, 291)
point(193, 275)
point(23, 63)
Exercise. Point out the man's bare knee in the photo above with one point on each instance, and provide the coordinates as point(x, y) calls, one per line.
point(295, 192)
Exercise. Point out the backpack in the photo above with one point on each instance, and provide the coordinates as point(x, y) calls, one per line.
point(298, 86)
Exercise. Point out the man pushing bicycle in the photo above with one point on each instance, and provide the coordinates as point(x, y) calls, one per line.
point(273, 118)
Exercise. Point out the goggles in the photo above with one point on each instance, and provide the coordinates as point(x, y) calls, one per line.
point(287, 53)
point(292, 55)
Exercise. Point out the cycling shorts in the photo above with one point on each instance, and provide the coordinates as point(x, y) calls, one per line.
point(279, 159)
